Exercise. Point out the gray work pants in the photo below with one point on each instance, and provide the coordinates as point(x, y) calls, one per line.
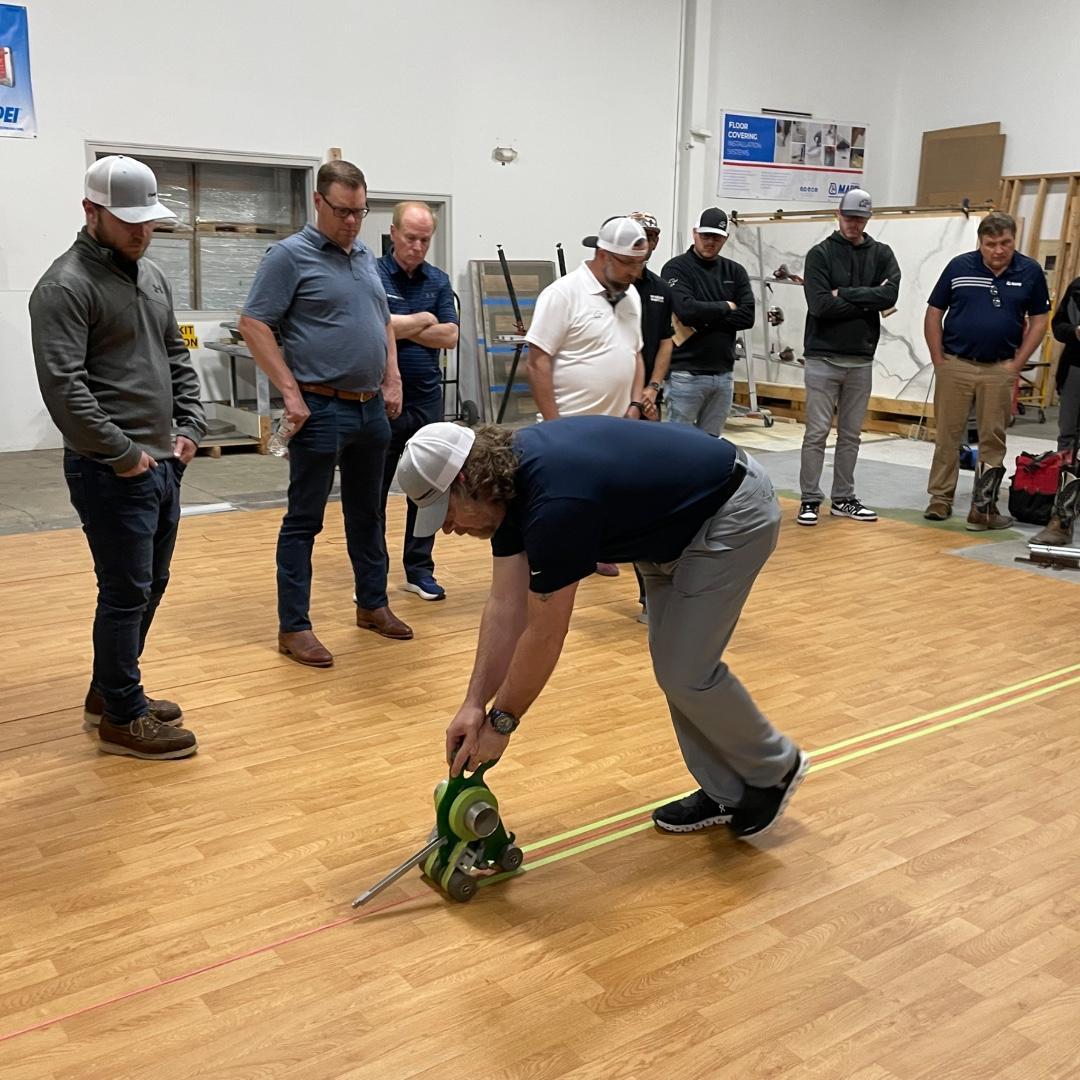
point(694, 604)
point(847, 390)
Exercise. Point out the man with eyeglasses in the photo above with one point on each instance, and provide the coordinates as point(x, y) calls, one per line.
point(337, 372)
point(425, 321)
point(585, 340)
point(996, 308)
point(713, 301)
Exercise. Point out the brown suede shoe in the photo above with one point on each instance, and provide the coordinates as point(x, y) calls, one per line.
point(938, 510)
point(146, 738)
point(164, 712)
point(305, 648)
point(383, 621)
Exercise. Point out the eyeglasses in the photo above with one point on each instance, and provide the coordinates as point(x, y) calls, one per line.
point(343, 213)
point(995, 298)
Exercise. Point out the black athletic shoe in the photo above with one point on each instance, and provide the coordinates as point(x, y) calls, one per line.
point(761, 808)
point(696, 811)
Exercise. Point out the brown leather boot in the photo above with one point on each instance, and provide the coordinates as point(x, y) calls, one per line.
point(383, 621)
point(1059, 532)
point(305, 648)
point(984, 512)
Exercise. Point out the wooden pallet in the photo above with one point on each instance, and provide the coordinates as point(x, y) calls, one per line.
point(895, 416)
point(216, 447)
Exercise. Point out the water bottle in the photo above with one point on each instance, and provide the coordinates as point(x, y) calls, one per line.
point(279, 441)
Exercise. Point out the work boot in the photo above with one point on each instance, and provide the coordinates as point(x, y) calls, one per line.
point(938, 510)
point(164, 712)
point(1059, 532)
point(984, 514)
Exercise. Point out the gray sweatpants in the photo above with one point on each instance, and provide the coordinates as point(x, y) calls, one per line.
point(694, 604)
point(847, 390)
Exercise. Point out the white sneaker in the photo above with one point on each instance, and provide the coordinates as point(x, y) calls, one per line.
point(808, 513)
point(852, 508)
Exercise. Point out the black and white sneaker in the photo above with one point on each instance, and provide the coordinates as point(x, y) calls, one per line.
point(852, 508)
point(696, 811)
point(808, 513)
point(761, 808)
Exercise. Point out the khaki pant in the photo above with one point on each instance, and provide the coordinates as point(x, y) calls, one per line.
point(958, 383)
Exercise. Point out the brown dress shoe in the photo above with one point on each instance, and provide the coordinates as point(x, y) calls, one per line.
point(305, 648)
point(383, 621)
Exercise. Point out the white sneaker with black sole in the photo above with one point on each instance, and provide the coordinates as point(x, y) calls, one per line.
point(852, 508)
point(808, 513)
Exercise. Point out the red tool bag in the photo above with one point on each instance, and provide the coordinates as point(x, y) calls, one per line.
point(1035, 484)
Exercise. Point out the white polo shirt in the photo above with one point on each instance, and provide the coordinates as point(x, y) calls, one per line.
point(593, 345)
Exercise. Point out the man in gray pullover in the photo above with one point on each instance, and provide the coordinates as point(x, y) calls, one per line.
point(117, 380)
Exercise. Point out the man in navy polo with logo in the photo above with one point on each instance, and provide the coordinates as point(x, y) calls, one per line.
point(996, 308)
point(425, 321)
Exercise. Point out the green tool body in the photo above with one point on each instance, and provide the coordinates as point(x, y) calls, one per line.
point(468, 842)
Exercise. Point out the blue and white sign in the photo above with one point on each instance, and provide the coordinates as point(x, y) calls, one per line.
point(16, 93)
point(769, 157)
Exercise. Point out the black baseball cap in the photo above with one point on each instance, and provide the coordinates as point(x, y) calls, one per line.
point(713, 220)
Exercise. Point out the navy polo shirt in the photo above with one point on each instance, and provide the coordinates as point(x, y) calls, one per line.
point(604, 489)
point(426, 289)
point(329, 307)
point(977, 328)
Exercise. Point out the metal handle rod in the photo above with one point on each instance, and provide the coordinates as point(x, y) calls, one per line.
point(404, 868)
point(520, 326)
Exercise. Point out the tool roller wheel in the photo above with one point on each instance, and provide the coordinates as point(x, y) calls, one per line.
point(460, 887)
point(510, 859)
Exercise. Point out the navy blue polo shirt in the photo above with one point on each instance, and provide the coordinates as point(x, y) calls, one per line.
point(977, 328)
point(604, 489)
point(329, 307)
point(426, 289)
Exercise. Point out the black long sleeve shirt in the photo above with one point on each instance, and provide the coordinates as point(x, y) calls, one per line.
point(700, 291)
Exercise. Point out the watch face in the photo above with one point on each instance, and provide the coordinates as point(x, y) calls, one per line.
point(503, 723)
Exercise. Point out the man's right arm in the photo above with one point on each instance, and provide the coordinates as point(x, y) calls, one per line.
point(265, 352)
point(932, 331)
point(818, 288)
point(59, 325)
point(502, 624)
point(538, 370)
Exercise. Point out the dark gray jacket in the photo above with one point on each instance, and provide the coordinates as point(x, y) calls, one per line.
point(866, 278)
point(113, 369)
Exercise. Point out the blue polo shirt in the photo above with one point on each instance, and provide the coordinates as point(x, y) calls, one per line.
point(426, 289)
point(329, 307)
point(977, 328)
point(603, 489)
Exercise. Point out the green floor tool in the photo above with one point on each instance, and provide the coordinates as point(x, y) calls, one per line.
point(468, 842)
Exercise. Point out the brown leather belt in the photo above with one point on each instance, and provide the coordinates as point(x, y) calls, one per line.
point(345, 395)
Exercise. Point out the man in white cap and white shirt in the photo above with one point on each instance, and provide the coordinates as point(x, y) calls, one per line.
point(585, 340)
point(118, 382)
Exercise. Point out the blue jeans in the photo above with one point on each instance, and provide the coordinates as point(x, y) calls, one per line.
point(701, 400)
point(130, 524)
point(415, 413)
point(352, 436)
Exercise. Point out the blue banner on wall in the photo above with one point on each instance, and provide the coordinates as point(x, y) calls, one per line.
point(16, 94)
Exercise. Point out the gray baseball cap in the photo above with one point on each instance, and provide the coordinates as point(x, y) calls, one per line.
point(856, 203)
point(428, 466)
point(126, 188)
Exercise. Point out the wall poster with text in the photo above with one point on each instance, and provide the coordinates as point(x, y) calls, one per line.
point(774, 157)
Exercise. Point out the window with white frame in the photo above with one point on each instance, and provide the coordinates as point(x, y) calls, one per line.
point(227, 213)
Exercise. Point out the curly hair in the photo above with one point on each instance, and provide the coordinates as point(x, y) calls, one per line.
point(490, 468)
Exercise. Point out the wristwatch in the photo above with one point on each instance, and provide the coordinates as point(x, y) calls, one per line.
point(503, 722)
point(655, 386)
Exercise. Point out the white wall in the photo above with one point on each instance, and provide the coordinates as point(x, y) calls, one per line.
point(818, 56)
point(416, 94)
point(977, 61)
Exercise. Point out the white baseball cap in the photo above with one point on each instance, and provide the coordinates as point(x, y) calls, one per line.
point(620, 236)
point(429, 464)
point(126, 188)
